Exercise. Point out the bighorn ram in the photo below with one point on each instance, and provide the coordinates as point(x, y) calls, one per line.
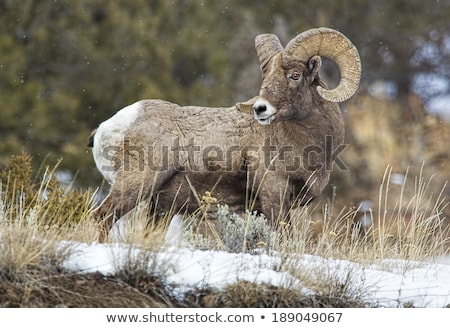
point(280, 145)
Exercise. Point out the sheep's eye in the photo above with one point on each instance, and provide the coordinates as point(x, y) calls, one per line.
point(294, 76)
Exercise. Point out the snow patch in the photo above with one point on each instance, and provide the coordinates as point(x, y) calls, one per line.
point(389, 283)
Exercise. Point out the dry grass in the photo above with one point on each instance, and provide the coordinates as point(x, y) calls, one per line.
point(34, 217)
point(410, 225)
point(407, 222)
point(252, 295)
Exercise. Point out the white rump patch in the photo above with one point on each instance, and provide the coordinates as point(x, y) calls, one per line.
point(109, 135)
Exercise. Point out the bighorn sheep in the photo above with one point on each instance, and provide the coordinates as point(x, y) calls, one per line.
point(279, 145)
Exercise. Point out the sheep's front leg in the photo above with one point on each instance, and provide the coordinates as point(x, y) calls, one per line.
point(274, 198)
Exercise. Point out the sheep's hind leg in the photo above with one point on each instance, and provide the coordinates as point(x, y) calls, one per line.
point(122, 198)
point(105, 215)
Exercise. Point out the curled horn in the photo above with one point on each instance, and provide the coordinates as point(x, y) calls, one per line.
point(267, 45)
point(336, 46)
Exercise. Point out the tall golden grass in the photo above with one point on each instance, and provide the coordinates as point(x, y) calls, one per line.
point(406, 223)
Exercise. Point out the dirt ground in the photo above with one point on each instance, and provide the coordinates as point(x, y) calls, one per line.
point(91, 290)
point(98, 291)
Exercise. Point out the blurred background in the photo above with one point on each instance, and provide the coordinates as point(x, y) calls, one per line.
point(65, 66)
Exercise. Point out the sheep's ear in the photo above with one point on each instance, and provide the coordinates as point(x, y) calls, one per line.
point(246, 106)
point(314, 64)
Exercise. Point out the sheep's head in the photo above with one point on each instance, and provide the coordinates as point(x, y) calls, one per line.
point(291, 82)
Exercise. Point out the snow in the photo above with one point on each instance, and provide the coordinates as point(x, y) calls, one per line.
point(183, 268)
point(387, 283)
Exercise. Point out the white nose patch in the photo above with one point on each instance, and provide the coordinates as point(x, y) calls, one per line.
point(264, 112)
